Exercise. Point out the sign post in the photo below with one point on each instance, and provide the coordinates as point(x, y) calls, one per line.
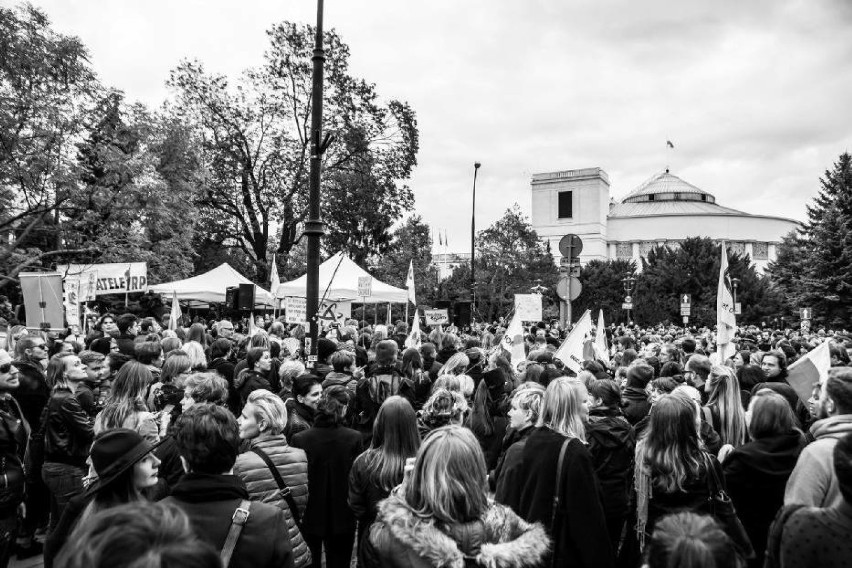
point(569, 287)
point(365, 290)
point(685, 307)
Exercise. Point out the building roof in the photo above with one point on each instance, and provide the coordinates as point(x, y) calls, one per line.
point(669, 187)
point(647, 208)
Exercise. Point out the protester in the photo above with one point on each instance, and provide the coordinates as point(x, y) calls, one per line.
point(125, 407)
point(379, 469)
point(441, 514)
point(262, 425)
point(301, 410)
point(444, 407)
point(635, 404)
point(724, 410)
point(331, 448)
point(686, 539)
point(533, 485)
point(813, 481)
point(125, 466)
point(213, 498)
point(14, 435)
point(814, 537)
point(757, 472)
point(487, 424)
point(523, 414)
point(254, 375)
point(774, 365)
point(157, 534)
point(68, 432)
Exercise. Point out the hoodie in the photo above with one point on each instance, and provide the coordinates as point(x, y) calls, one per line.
point(813, 481)
point(612, 442)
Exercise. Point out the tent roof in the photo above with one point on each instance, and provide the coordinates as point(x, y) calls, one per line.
point(209, 288)
point(342, 273)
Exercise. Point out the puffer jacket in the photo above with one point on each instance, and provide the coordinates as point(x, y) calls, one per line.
point(499, 538)
point(292, 464)
point(813, 481)
point(68, 431)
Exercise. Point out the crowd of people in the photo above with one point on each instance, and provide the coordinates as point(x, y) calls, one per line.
point(213, 444)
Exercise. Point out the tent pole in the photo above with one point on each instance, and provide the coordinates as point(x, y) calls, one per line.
point(406, 312)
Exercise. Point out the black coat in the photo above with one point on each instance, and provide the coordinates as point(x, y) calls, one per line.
point(612, 443)
point(635, 404)
point(756, 474)
point(210, 502)
point(583, 539)
point(14, 433)
point(32, 394)
point(68, 430)
point(331, 451)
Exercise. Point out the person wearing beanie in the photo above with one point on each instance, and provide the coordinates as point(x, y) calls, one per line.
point(125, 465)
point(634, 400)
point(325, 349)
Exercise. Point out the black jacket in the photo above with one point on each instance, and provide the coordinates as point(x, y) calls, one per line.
point(68, 430)
point(210, 502)
point(299, 418)
point(14, 435)
point(612, 443)
point(583, 539)
point(512, 436)
point(249, 381)
point(756, 474)
point(226, 370)
point(635, 404)
point(331, 451)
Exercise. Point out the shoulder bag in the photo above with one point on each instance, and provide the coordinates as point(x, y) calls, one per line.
point(283, 488)
point(557, 500)
point(722, 508)
point(238, 521)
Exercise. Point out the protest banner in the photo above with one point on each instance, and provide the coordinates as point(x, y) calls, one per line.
point(111, 278)
point(43, 300)
point(528, 307)
point(437, 317)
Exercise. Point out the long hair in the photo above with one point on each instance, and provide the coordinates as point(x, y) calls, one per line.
point(455, 365)
point(411, 362)
point(481, 422)
point(725, 396)
point(395, 439)
point(55, 372)
point(449, 482)
point(126, 398)
point(687, 539)
point(174, 365)
point(561, 408)
point(771, 415)
point(119, 492)
point(671, 448)
point(197, 332)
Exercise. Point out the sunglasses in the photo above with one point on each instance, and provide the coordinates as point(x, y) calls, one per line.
point(6, 367)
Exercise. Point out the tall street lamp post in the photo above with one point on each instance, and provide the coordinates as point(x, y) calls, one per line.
point(476, 166)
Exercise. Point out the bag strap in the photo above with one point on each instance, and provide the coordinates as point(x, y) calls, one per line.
point(557, 500)
point(714, 484)
point(238, 521)
point(283, 488)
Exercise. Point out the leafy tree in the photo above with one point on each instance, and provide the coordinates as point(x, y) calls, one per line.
point(510, 259)
point(46, 87)
point(814, 264)
point(256, 146)
point(693, 268)
point(410, 242)
point(603, 289)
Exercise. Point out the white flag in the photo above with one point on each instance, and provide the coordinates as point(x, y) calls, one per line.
point(274, 281)
point(513, 341)
point(174, 316)
point(413, 339)
point(806, 372)
point(571, 350)
point(601, 348)
point(726, 323)
point(409, 283)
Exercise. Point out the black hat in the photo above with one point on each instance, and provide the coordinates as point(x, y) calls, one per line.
point(116, 451)
point(325, 347)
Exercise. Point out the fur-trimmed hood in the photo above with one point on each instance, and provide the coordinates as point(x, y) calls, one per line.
point(500, 539)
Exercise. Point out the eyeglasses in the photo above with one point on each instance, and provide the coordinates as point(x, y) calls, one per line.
point(6, 367)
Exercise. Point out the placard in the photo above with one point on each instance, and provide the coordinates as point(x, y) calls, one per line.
point(528, 307)
point(437, 317)
point(365, 286)
point(295, 310)
point(43, 300)
point(111, 278)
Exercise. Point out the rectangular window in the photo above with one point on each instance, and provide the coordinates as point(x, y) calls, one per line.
point(566, 204)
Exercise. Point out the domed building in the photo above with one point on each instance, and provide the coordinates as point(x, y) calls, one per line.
point(664, 210)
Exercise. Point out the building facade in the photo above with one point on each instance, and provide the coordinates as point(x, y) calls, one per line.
point(664, 210)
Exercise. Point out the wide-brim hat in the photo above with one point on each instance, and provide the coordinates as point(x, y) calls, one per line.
point(114, 452)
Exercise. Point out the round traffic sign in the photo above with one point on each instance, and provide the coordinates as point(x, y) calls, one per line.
point(562, 288)
point(571, 245)
point(628, 299)
point(575, 288)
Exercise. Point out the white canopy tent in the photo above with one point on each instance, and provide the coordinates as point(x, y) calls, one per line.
point(339, 275)
point(209, 288)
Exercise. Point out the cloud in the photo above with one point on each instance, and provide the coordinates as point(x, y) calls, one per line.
point(753, 94)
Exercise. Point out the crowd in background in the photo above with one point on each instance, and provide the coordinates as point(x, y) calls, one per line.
point(211, 444)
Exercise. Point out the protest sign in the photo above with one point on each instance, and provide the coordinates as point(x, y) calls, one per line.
point(437, 317)
point(111, 278)
point(528, 307)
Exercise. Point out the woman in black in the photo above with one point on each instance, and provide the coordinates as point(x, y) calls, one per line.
point(331, 449)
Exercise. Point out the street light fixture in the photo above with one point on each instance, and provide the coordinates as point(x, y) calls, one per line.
point(628, 282)
point(476, 166)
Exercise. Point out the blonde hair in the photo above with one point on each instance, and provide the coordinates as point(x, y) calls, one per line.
point(528, 398)
point(455, 365)
point(195, 352)
point(449, 482)
point(269, 408)
point(725, 396)
point(561, 407)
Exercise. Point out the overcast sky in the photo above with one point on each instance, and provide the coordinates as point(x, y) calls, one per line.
point(754, 95)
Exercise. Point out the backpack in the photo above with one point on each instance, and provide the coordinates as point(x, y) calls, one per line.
point(384, 384)
point(776, 531)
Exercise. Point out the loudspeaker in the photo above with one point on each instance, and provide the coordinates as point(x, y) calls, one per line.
point(231, 297)
point(461, 314)
point(245, 297)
